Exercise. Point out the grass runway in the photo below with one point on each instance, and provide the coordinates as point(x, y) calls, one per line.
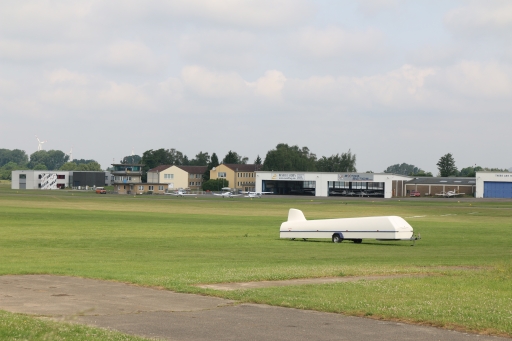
point(176, 243)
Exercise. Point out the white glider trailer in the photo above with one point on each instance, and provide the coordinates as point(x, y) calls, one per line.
point(390, 228)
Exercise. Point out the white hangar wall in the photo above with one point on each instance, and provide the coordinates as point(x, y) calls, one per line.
point(393, 184)
point(493, 185)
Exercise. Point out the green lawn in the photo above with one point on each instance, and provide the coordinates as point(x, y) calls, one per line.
point(178, 242)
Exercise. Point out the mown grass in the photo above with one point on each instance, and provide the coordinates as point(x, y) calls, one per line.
point(20, 327)
point(179, 242)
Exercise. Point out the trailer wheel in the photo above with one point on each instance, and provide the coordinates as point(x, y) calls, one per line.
point(336, 238)
point(358, 241)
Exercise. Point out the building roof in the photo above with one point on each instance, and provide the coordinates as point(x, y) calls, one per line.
point(194, 169)
point(442, 181)
point(128, 164)
point(159, 168)
point(243, 167)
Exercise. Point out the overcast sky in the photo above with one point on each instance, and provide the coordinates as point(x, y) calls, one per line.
point(395, 81)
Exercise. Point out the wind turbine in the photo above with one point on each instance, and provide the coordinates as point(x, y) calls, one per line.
point(40, 143)
point(70, 154)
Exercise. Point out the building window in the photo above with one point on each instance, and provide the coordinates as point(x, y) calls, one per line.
point(198, 176)
point(191, 183)
point(191, 176)
point(160, 188)
point(150, 188)
point(221, 174)
point(168, 176)
point(141, 188)
point(23, 176)
point(61, 176)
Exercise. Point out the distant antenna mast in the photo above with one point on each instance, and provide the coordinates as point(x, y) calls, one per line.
point(133, 152)
point(40, 143)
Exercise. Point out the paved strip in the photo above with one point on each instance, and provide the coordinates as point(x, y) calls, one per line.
point(183, 317)
point(302, 281)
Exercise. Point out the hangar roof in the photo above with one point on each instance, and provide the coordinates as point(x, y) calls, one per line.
point(442, 181)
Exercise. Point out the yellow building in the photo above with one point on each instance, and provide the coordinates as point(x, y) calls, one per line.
point(176, 177)
point(240, 177)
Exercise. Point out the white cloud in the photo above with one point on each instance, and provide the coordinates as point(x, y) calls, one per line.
point(132, 56)
point(335, 42)
point(484, 81)
point(23, 51)
point(210, 84)
point(43, 19)
point(67, 77)
point(270, 85)
point(371, 7)
point(490, 17)
point(225, 49)
point(242, 13)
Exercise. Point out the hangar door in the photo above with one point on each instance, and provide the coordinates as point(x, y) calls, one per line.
point(497, 189)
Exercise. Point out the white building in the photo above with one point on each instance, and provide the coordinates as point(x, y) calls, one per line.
point(33, 179)
point(493, 185)
point(320, 184)
point(45, 179)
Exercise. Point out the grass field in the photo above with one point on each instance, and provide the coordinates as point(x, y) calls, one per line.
point(179, 242)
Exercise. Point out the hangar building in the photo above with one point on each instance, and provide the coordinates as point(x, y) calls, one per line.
point(320, 184)
point(45, 179)
point(493, 185)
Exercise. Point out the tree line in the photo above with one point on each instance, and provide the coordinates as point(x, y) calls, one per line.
point(17, 159)
point(446, 167)
point(282, 158)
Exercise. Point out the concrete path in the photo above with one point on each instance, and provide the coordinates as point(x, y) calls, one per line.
point(171, 316)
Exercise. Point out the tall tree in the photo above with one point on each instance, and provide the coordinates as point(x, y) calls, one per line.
point(404, 169)
point(346, 162)
point(201, 159)
point(153, 158)
point(131, 159)
point(16, 155)
point(446, 165)
point(289, 158)
point(233, 158)
point(91, 166)
point(258, 160)
point(214, 162)
point(52, 159)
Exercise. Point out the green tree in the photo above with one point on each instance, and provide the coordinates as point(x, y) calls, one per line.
point(289, 158)
point(469, 171)
point(52, 159)
point(201, 159)
point(346, 162)
point(421, 172)
point(131, 159)
point(214, 162)
point(258, 160)
point(91, 167)
point(153, 158)
point(40, 166)
point(68, 166)
point(446, 166)
point(215, 184)
point(17, 156)
point(6, 170)
point(233, 158)
point(403, 169)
